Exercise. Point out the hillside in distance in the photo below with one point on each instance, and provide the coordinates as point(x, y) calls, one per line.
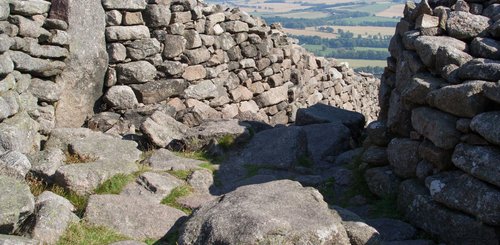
point(353, 31)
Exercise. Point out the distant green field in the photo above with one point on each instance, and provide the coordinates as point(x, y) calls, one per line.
point(369, 48)
point(363, 63)
point(302, 15)
point(359, 20)
point(322, 50)
point(371, 8)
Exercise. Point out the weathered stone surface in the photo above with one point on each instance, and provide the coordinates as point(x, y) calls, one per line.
point(426, 21)
point(479, 161)
point(29, 8)
point(193, 73)
point(124, 4)
point(36, 66)
point(46, 91)
point(140, 49)
point(480, 69)
point(121, 97)
point(375, 156)
point(419, 208)
point(131, 216)
point(157, 15)
point(19, 133)
point(492, 91)
point(152, 186)
point(125, 33)
point(197, 56)
point(16, 203)
point(465, 26)
point(104, 156)
point(451, 56)
point(162, 129)
point(275, 202)
point(463, 100)
point(403, 156)
point(360, 233)
point(272, 96)
point(214, 131)
point(172, 67)
point(205, 89)
point(46, 162)
point(17, 240)
point(486, 124)
point(393, 229)
point(427, 47)
point(460, 191)
point(135, 72)
point(485, 48)
point(327, 139)
point(165, 160)
point(174, 46)
point(321, 113)
point(83, 78)
point(439, 158)
point(159, 90)
point(14, 164)
point(437, 126)
point(27, 27)
point(382, 181)
point(193, 39)
point(417, 89)
point(48, 196)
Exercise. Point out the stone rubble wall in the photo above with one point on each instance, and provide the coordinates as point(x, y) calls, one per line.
point(210, 63)
point(33, 47)
point(440, 99)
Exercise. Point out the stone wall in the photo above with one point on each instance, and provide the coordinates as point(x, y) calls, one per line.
point(440, 99)
point(209, 63)
point(33, 47)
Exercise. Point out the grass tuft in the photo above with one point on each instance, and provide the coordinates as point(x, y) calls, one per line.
point(226, 142)
point(77, 158)
point(115, 184)
point(84, 234)
point(181, 174)
point(209, 166)
point(176, 193)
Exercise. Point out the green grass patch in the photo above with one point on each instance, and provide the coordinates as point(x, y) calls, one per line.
point(84, 234)
point(355, 63)
point(181, 174)
point(200, 155)
point(115, 184)
point(176, 193)
point(209, 166)
point(226, 142)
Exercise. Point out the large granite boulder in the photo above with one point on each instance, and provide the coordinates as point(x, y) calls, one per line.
point(16, 203)
point(486, 124)
point(274, 212)
point(479, 161)
point(321, 113)
point(437, 126)
point(83, 79)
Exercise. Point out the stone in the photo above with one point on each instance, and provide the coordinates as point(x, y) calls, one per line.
point(439, 158)
point(55, 24)
point(121, 97)
point(382, 181)
point(212, 132)
point(172, 67)
point(103, 121)
point(495, 29)
point(48, 196)
point(132, 18)
point(450, 55)
point(20, 133)
point(17, 240)
point(82, 79)
point(197, 56)
point(427, 47)
point(152, 186)
point(98, 158)
point(193, 73)
point(28, 28)
point(420, 209)
point(140, 49)
point(398, 116)
point(437, 126)
point(466, 26)
point(6, 65)
point(193, 39)
point(203, 90)
point(117, 52)
point(199, 113)
point(272, 96)
point(403, 156)
point(236, 26)
point(393, 229)
point(307, 225)
point(165, 160)
point(491, 10)
point(463, 100)
point(46, 91)
point(131, 216)
point(51, 221)
point(201, 180)
point(360, 233)
point(159, 90)
point(129, 5)
point(462, 192)
point(16, 203)
point(126, 33)
point(426, 21)
point(247, 63)
point(241, 93)
point(479, 161)
point(5, 43)
point(417, 89)
point(157, 15)
point(485, 48)
point(480, 69)
point(174, 46)
point(36, 66)
point(4, 10)
point(135, 72)
point(321, 113)
point(14, 164)
point(225, 41)
point(45, 51)
point(162, 129)
point(375, 156)
point(485, 124)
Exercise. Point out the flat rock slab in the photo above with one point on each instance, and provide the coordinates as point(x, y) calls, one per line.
point(154, 186)
point(131, 216)
point(479, 161)
point(17, 240)
point(281, 211)
point(327, 139)
point(16, 203)
point(321, 113)
point(51, 221)
point(449, 226)
point(165, 160)
point(202, 135)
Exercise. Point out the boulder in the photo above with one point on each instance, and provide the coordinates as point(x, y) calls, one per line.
point(479, 161)
point(135, 72)
point(193, 73)
point(403, 156)
point(14, 164)
point(152, 186)
point(129, 5)
point(36, 66)
point(460, 191)
point(265, 209)
point(417, 89)
point(16, 203)
point(159, 90)
point(463, 100)
point(485, 48)
point(321, 113)
point(427, 47)
point(83, 78)
point(466, 26)
point(121, 97)
point(486, 125)
point(51, 197)
point(327, 139)
point(29, 8)
point(126, 33)
point(140, 49)
point(393, 229)
point(162, 129)
point(437, 126)
point(174, 46)
point(272, 96)
point(197, 56)
point(20, 133)
point(492, 91)
point(438, 157)
point(360, 233)
point(480, 69)
point(165, 160)
point(375, 156)
point(213, 132)
point(157, 15)
point(46, 162)
point(46, 91)
point(449, 226)
point(382, 181)
point(205, 89)
point(17, 240)
point(131, 216)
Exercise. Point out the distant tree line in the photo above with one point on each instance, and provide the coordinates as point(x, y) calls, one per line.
point(375, 70)
point(346, 41)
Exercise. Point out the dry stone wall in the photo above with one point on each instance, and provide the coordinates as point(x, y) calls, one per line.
point(440, 99)
point(201, 62)
point(33, 48)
